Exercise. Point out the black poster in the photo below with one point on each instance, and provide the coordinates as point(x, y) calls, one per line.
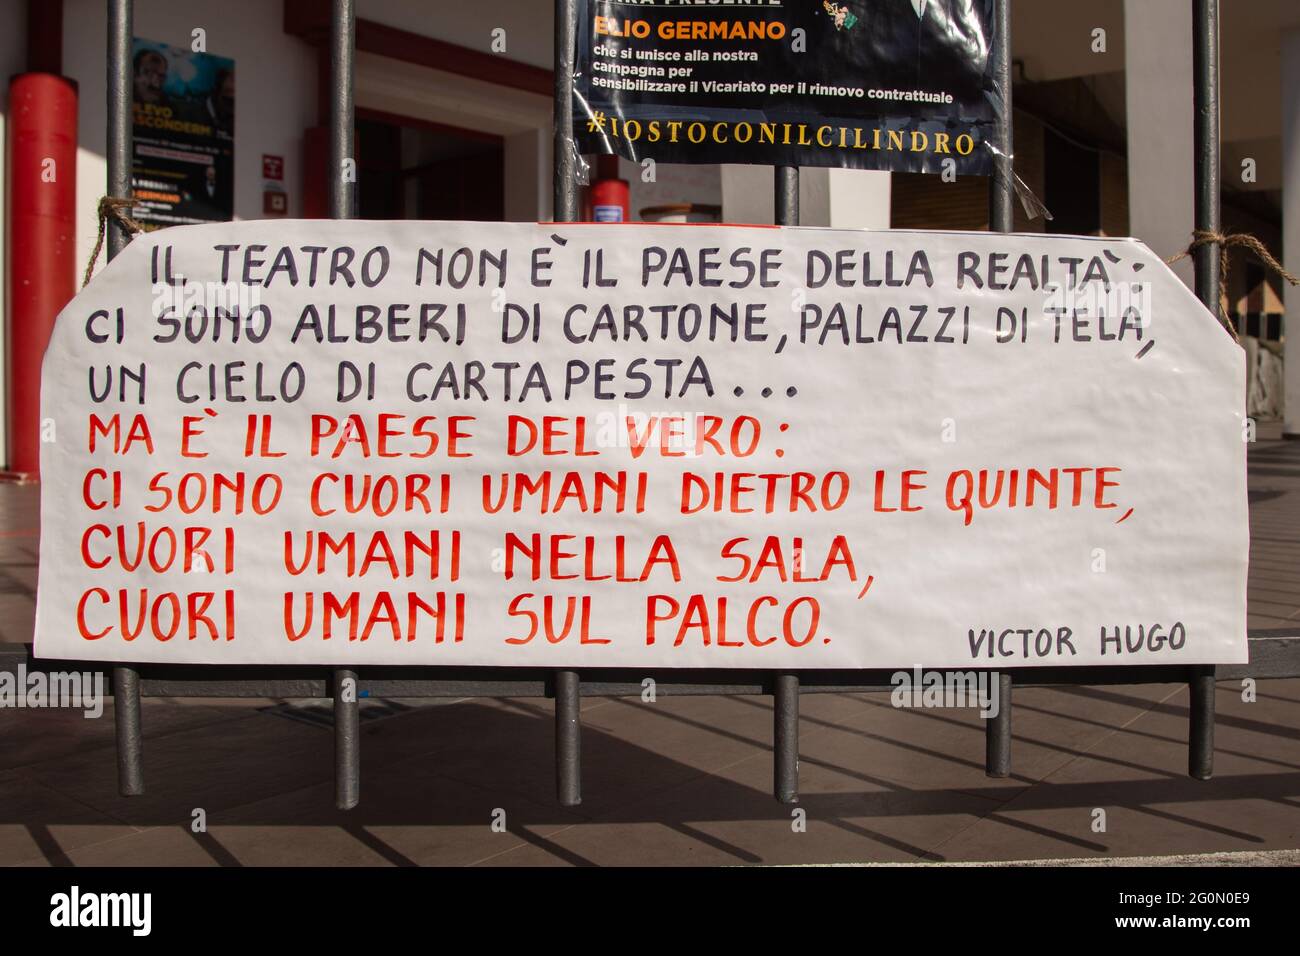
point(183, 108)
point(867, 84)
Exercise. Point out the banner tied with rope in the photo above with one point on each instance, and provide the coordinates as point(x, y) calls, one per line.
point(1226, 243)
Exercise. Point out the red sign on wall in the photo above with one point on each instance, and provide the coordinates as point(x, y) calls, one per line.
point(272, 166)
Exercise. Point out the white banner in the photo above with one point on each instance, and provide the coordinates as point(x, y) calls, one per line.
point(651, 446)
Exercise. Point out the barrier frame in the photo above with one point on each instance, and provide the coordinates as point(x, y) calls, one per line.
point(1274, 653)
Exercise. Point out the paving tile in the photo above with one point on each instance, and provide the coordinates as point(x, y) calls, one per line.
point(156, 846)
point(731, 818)
point(507, 748)
point(406, 817)
point(211, 766)
point(1151, 805)
point(35, 736)
point(40, 824)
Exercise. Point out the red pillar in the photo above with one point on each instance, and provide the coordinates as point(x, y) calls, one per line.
point(41, 240)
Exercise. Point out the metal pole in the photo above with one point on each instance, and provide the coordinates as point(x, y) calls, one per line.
point(130, 739)
point(568, 738)
point(568, 696)
point(785, 687)
point(566, 157)
point(1205, 70)
point(342, 111)
point(126, 680)
point(119, 114)
point(785, 743)
point(787, 195)
point(347, 740)
point(1205, 78)
point(343, 176)
point(1001, 182)
point(1200, 725)
point(997, 729)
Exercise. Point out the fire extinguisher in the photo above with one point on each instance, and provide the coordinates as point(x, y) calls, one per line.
point(609, 196)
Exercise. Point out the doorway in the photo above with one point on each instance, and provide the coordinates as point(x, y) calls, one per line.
point(415, 169)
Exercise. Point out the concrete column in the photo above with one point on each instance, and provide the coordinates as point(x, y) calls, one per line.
point(1291, 228)
point(845, 198)
point(1158, 94)
point(747, 194)
point(841, 198)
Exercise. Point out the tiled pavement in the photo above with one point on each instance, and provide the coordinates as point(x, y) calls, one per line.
point(683, 780)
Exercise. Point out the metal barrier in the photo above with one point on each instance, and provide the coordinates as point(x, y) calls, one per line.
point(1273, 653)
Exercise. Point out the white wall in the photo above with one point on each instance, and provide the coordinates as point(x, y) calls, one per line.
point(527, 23)
point(838, 198)
point(275, 91)
point(13, 59)
point(845, 198)
point(1158, 61)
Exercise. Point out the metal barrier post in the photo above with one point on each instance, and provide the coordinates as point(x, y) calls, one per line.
point(1205, 69)
point(568, 695)
point(568, 738)
point(785, 687)
point(785, 733)
point(1200, 726)
point(997, 729)
point(126, 680)
point(130, 738)
point(565, 160)
point(347, 739)
point(343, 175)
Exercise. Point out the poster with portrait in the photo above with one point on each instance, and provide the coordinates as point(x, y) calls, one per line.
point(183, 106)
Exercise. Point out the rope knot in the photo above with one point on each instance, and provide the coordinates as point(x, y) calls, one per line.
point(115, 208)
point(1233, 240)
